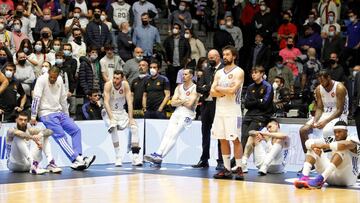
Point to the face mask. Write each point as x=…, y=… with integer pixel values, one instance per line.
x=102, y=18
x=129, y=29
x=17, y=28
x=352, y=19
x=2, y=26
x=222, y=27
x=331, y=34
x=275, y=85
x=142, y=76
x=262, y=8
x=67, y=53
x=22, y=61
x=331, y=19
x=19, y=14
x=38, y=47
x=26, y=50
x=175, y=31
x=332, y=61
x=59, y=62
x=78, y=38
x=76, y=15
x=8, y=74
x=290, y=46
x=279, y=65
x=93, y=57
x=153, y=72
x=286, y=21
x=354, y=73
x=257, y=43
x=44, y=70
x=229, y=24
x=187, y=36
x=97, y=16
x=145, y=23
x=45, y=35
x=56, y=48
x=204, y=65
x=182, y=8
x=139, y=58
x=212, y=63
x=3, y=59
x=47, y=17
x=252, y=1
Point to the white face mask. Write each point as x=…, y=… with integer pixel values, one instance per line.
x=139, y=58
x=142, y=76
x=187, y=35
x=59, y=61
x=102, y=18
x=175, y=31
x=275, y=85
x=181, y=8
x=56, y=48
x=38, y=47
x=44, y=70
x=354, y=73
x=47, y=17
x=262, y=8
x=8, y=74
x=93, y=57
x=76, y=15
x=153, y=72
x=2, y=26
x=17, y=28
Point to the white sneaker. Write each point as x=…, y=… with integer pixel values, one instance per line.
x=89, y=160
x=36, y=170
x=78, y=165
x=137, y=160
x=118, y=162
x=244, y=167
x=53, y=168
x=263, y=170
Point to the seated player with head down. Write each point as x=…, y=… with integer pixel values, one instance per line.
x=341, y=169
x=269, y=148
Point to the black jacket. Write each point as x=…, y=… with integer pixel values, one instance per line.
x=86, y=76
x=184, y=50
x=204, y=83
x=263, y=58
x=221, y=39
x=95, y=36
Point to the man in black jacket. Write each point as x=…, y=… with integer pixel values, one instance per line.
x=177, y=50
x=259, y=105
x=92, y=109
x=222, y=38
x=208, y=109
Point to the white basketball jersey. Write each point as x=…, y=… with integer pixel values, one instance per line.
x=117, y=97
x=329, y=100
x=229, y=104
x=184, y=94
x=14, y=153
x=121, y=13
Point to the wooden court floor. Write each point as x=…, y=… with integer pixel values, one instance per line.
x=143, y=187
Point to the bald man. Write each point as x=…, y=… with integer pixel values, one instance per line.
x=131, y=67
x=208, y=108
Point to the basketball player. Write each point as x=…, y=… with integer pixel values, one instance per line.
x=116, y=94
x=341, y=169
x=25, y=146
x=332, y=106
x=49, y=101
x=227, y=88
x=269, y=148
x=185, y=100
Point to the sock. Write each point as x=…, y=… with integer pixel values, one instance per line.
x=328, y=171
x=275, y=150
x=306, y=169
x=226, y=159
x=244, y=160
x=238, y=162
x=117, y=151
x=79, y=159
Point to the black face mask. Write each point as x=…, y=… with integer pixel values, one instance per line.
x=286, y=21
x=22, y=62
x=212, y=63
x=19, y=14
x=3, y=60
x=77, y=39
x=332, y=61
x=45, y=35
x=97, y=16
x=290, y=46
x=145, y=23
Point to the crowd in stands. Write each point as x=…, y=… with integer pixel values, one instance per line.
x=88, y=39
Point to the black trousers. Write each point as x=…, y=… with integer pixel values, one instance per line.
x=207, y=119
x=171, y=74
x=250, y=124
x=357, y=120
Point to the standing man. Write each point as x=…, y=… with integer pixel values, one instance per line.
x=185, y=100
x=116, y=94
x=49, y=102
x=227, y=87
x=138, y=88
x=208, y=109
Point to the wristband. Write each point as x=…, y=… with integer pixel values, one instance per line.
x=333, y=146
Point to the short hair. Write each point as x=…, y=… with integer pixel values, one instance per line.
x=59, y=53
x=9, y=64
x=282, y=80
x=119, y=72
x=92, y=91
x=333, y=26
x=91, y=48
x=67, y=44
x=191, y=71
x=54, y=69
x=279, y=58
x=274, y=120
x=22, y=113
x=144, y=60
x=259, y=68
x=75, y=29
x=18, y=52
x=18, y=19
x=324, y=73
x=232, y=50
x=331, y=12
x=177, y=25
x=155, y=62
x=108, y=47
x=145, y=14
x=76, y=8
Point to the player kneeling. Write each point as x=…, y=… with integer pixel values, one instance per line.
x=269, y=148
x=341, y=169
x=24, y=155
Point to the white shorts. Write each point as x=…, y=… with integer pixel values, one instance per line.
x=121, y=119
x=226, y=127
x=277, y=165
x=328, y=130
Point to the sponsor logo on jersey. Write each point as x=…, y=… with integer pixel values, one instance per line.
x=332, y=94
x=230, y=76
x=187, y=93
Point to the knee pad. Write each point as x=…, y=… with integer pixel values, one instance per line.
x=308, y=143
x=134, y=134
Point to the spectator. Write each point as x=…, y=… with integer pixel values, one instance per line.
x=250, y=10
x=309, y=79
x=289, y=55
x=259, y=55
x=264, y=22
x=24, y=73
x=25, y=28
x=85, y=7
x=26, y=47
x=92, y=109
x=331, y=21
x=5, y=56
x=333, y=43
x=13, y=98
x=286, y=30
x=145, y=35
x=109, y=63
x=277, y=84
x=281, y=70
x=181, y=17
x=6, y=36
x=78, y=45
x=138, y=87
x=55, y=8
x=352, y=45
x=75, y=22
x=222, y=38
x=89, y=72
x=97, y=32
x=235, y=32
x=46, y=21
x=196, y=45
x=336, y=70
x=124, y=42
x=38, y=57
x=131, y=67
x=18, y=36
x=156, y=94
x=324, y=7
x=46, y=37
x=104, y=19
x=310, y=39
x=178, y=51
x=139, y=8
x=6, y=6
x=311, y=22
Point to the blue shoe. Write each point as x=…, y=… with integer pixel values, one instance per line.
x=153, y=158
x=317, y=182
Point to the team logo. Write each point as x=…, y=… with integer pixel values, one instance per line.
x=187, y=93
x=332, y=94
x=158, y=83
x=121, y=91
x=135, y=83
x=230, y=76
x=261, y=91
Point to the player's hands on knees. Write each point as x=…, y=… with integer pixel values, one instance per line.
x=132, y=121
x=320, y=125
x=33, y=121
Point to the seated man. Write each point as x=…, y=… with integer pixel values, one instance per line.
x=341, y=169
x=270, y=147
x=92, y=109
x=185, y=100
x=24, y=155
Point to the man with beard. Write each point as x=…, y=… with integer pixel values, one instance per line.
x=227, y=87
x=49, y=102
x=116, y=94
x=138, y=88
x=24, y=155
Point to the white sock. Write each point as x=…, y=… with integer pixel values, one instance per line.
x=275, y=150
x=226, y=159
x=244, y=160
x=79, y=159
x=328, y=171
x=306, y=169
x=117, y=151
x=238, y=162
